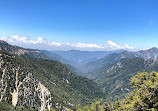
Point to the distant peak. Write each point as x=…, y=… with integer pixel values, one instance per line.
x=3, y=42
x=154, y=48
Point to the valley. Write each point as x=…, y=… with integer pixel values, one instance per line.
x=78, y=55
x=43, y=81
x=60, y=80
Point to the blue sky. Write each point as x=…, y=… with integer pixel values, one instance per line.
x=123, y=22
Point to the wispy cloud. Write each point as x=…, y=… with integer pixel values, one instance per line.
x=43, y=44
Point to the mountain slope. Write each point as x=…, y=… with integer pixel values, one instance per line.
x=30, y=53
x=66, y=84
x=54, y=56
x=115, y=77
x=8, y=107
x=92, y=66
x=39, y=83
x=18, y=85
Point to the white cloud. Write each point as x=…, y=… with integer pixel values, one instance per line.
x=83, y=45
x=42, y=44
x=113, y=45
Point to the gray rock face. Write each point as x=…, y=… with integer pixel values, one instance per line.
x=19, y=87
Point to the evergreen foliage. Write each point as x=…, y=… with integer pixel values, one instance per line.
x=144, y=96
x=7, y=107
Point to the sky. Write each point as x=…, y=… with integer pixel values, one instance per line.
x=80, y=24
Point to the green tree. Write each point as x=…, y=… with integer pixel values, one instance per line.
x=144, y=95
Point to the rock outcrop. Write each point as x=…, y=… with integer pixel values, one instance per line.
x=20, y=87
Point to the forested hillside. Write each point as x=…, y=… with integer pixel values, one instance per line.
x=114, y=78
x=144, y=96
x=36, y=83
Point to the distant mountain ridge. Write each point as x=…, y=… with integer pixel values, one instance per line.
x=145, y=54
x=114, y=70
x=31, y=53
x=77, y=58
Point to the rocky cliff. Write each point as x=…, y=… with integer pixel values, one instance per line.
x=19, y=87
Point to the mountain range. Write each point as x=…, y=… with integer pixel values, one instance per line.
x=78, y=58
x=145, y=54
x=32, y=79
x=114, y=70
